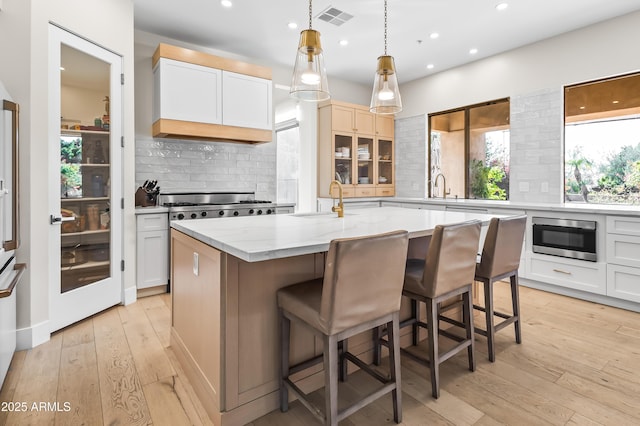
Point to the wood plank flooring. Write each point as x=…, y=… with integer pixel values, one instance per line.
x=579, y=364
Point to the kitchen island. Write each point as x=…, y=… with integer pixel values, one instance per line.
x=225, y=275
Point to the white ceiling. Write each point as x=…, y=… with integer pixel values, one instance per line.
x=258, y=29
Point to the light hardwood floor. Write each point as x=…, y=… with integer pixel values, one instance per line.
x=579, y=364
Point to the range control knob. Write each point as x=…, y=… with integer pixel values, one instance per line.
x=221, y=213
x=180, y=216
x=193, y=215
x=250, y=211
x=259, y=211
x=203, y=214
x=269, y=211
x=236, y=213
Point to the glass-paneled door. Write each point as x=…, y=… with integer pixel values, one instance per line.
x=85, y=194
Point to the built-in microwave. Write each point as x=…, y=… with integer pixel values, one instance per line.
x=565, y=237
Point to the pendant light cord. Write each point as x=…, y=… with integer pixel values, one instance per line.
x=310, y=13
x=385, y=27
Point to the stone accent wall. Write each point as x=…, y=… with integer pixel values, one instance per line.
x=537, y=151
x=180, y=165
x=410, y=155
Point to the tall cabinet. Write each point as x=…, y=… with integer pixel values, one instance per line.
x=356, y=148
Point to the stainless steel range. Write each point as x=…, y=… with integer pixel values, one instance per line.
x=205, y=205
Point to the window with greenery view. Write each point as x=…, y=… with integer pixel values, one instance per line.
x=469, y=146
x=602, y=141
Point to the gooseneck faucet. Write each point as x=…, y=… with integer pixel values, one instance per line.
x=340, y=207
x=444, y=185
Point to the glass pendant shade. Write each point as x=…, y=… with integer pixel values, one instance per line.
x=385, y=98
x=309, y=82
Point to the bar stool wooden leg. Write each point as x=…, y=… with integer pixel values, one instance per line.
x=394, y=365
x=432, y=329
x=515, y=303
x=343, y=349
x=285, y=331
x=467, y=313
x=491, y=331
x=377, y=347
x=415, y=314
x=331, y=379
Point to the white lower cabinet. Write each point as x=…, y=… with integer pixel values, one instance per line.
x=623, y=258
x=152, y=252
x=576, y=274
x=623, y=282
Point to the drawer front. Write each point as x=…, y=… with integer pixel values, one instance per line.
x=365, y=192
x=385, y=192
x=586, y=276
x=623, y=225
x=623, y=282
x=152, y=222
x=623, y=250
x=347, y=191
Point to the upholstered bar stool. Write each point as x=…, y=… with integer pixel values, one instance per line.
x=446, y=272
x=361, y=290
x=500, y=260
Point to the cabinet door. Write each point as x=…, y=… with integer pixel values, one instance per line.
x=384, y=163
x=365, y=122
x=343, y=154
x=623, y=282
x=246, y=101
x=152, y=258
x=385, y=126
x=365, y=153
x=342, y=119
x=187, y=92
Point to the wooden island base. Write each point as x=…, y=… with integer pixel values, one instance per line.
x=225, y=330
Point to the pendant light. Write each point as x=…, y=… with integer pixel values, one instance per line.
x=385, y=98
x=309, y=82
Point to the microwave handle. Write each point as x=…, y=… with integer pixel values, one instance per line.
x=14, y=242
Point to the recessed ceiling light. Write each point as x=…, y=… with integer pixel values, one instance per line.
x=473, y=51
x=615, y=102
x=226, y=3
x=61, y=68
x=344, y=42
x=430, y=66
x=582, y=107
x=434, y=36
x=292, y=25
x=502, y=6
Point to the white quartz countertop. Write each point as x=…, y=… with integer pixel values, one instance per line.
x=258, y=238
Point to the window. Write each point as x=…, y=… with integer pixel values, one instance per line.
x=288, y=161
x=602, y=141
x=469, y=152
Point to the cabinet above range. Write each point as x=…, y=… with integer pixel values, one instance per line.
x=206, y=97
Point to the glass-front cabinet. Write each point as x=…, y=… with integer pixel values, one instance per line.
x=85, y=207
x=355, y=149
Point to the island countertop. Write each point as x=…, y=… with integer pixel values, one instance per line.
x=259, y=238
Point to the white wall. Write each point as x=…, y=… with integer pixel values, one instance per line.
x=24, y=26
x=533, y=77
x=600, y=50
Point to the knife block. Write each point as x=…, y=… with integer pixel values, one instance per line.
x=145, y=199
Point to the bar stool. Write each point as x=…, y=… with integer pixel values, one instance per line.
x=361, y=290
x=446, y=272
x=500, y=260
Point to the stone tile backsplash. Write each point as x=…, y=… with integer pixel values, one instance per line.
x=536, y=150
x=181, y=165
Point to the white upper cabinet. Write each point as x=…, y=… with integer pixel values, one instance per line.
x=187, y=92
x=246, y=101
x=207, y=97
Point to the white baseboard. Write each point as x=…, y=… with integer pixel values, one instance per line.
x=30, y=337
x=130, y=295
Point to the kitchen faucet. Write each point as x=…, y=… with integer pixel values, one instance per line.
x=340, y=207
x=444, y=186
